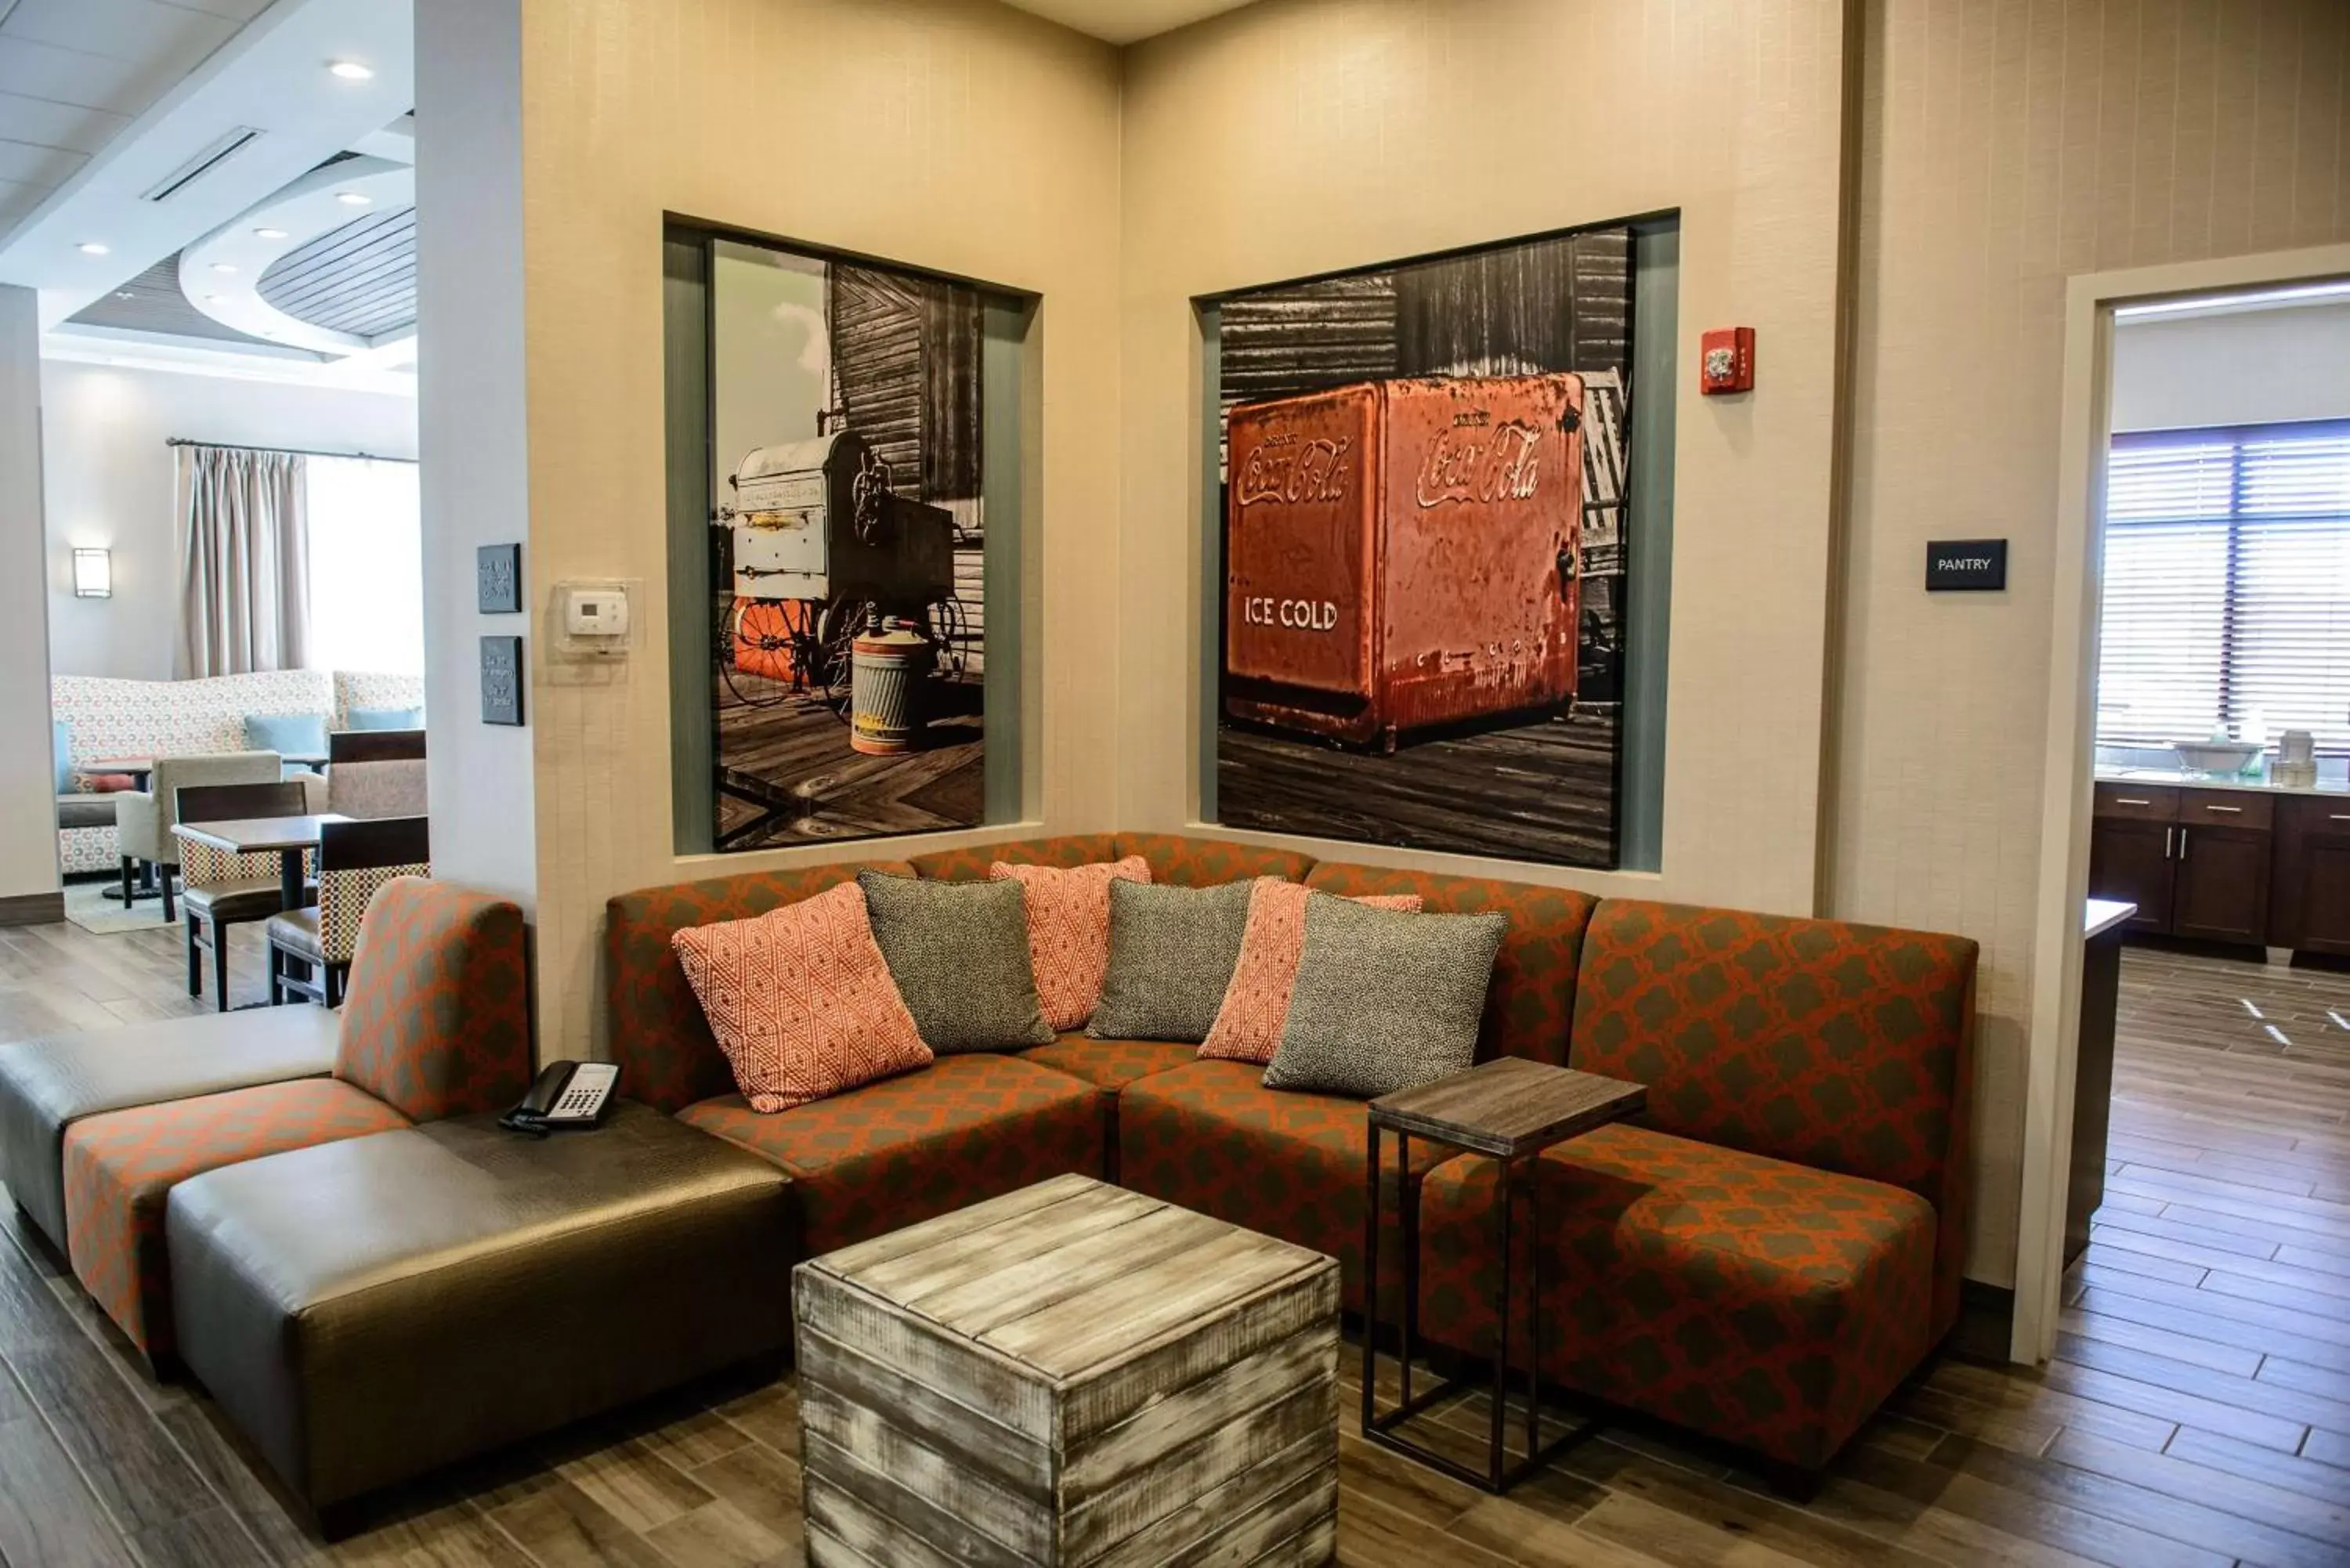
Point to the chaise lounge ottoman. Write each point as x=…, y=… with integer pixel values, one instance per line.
x=47, y=1085
x=370, y=1310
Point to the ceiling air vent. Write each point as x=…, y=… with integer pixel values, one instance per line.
x=203, y=163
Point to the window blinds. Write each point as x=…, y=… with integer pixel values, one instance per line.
x=2227, y=586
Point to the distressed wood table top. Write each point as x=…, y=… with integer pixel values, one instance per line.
x=1070, y=1275
x=1510, y=1107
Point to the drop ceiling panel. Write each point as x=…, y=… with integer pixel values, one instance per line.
x=71, y=76
x=146, y=31
x=32, y=164
x=16, y=198
x=47, y=123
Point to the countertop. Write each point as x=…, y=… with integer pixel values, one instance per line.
x=2102, y=915
x=2180, y=778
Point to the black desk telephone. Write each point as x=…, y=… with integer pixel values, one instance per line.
x=566, y=1095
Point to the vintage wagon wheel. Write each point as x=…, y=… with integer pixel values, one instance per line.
x=765, y=648
x=946, y=624
x=836, y=637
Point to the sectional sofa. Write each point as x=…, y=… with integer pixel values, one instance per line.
x=385, y=1281
x=1762, y=1258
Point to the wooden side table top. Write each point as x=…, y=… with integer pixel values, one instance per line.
x=1071, y=1274
x=1509, y=1106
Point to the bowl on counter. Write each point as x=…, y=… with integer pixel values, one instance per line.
x=2216, y=759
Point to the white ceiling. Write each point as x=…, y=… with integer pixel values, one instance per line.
x=1120, y=21
x=74, y=73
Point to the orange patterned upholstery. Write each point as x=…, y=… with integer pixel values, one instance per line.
x=1840, y=1046
x=1533, y=993
x=1110, y=1067
x=1210, y=1136
x=969, y=863
x=120, y=1168
x=1768, y=1304
x=1069, y=930
x=668, y=1056
x=1189, y=862
x=437, y=1018
x=884, y=1156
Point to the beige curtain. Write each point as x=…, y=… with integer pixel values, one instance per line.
x=245, y=561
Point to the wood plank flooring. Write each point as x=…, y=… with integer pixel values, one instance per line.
x=2197, y=1414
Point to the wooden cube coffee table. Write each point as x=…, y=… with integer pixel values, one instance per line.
x=1069, y=1374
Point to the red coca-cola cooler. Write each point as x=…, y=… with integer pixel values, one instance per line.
x=1403, y=554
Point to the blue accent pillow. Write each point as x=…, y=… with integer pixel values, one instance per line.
x=61, y=739
x=285, y=734
x=384, y=719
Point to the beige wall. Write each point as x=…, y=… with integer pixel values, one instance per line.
x=1292, y=138
x=2006, y=146
x=962, y=136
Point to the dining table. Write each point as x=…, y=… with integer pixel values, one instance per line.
x=286, y=837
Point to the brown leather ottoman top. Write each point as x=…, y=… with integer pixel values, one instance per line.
x=368, y=1310
x=48, y=1084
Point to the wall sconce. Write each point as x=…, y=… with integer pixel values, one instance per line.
x=93, y=575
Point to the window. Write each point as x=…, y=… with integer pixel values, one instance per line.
x=366, y=567
x=2227, y=586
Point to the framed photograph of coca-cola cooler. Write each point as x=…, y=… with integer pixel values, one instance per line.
x=1423, y=474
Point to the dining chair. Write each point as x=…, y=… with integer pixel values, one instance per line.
x=376, y=773
x=223, y=889
x=143, y=818
x=355, y=860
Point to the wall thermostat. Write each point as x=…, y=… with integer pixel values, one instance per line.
x=592, y=619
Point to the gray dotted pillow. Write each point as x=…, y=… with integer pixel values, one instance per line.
x=1172, y=951
x=1385, y=1000
x=958, y=952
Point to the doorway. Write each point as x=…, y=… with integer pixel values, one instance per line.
x=2139, y=460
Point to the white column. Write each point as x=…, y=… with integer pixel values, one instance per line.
x=28, y=819
x=472, y=430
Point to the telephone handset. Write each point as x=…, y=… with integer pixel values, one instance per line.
x=566, y=1094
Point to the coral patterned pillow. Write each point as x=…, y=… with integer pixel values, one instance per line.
x=1068, y=931
x=1257, y=1004
x=800, y=1000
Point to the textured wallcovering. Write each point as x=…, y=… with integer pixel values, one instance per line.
x=968, y=138
x=2007, y=146
x=1291, y=138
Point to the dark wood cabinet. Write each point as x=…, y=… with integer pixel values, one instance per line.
x=2220, y=886
x=2131, y=861
x=2310, y=910
x=2195, y=862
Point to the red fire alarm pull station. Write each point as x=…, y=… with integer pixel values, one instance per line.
x=1727, y=362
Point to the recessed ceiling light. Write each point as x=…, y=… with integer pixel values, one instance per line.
x=353, y=199
x=124, y=293
x=92, y=248
x=223, y=266
x=350, y=70
x=269, y=233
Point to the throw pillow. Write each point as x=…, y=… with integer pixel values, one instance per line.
x=958, y=952
x=109, y=784
x=1171, y=955
x=287, y=734
x=800, y=1000
x=384, y=719
x=1069, y=930
x=1384, y=1001
x=1255, y=1005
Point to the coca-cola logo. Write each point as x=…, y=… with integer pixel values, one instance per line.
x=1472, y=460
x=1287, y=468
